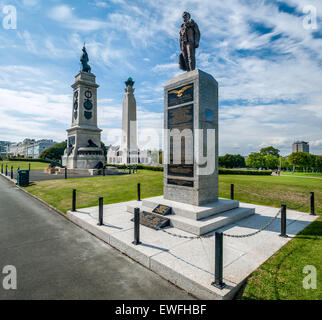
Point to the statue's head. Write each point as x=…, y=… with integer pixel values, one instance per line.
x=186, y=16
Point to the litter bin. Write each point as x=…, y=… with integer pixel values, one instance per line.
x=23, y=178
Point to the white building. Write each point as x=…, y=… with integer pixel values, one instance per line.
x=29, y=148
x=35, y=149
x=4, y=147
x=115, y=156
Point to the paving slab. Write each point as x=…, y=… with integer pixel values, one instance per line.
x=187, y=261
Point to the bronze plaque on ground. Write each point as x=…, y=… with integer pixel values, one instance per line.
x=180, y=95
x=153, y=220
x=163, y=210
x=181, y=183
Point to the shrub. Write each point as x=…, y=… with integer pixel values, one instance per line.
x=246, y=172
x=221, y=171
x=28, y=160
x=55, y=152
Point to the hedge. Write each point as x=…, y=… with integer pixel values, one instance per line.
x=28, y=160
x=221, y=171
x=246, y=172
x=139, y=166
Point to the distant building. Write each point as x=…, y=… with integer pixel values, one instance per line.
x=4, y=146
x=29, y=148
x=301, y=146
x=35, y=149
x=115, y=156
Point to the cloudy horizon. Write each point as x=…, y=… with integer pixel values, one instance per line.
x=267, y=63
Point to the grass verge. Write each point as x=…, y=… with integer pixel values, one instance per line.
x=280, y=277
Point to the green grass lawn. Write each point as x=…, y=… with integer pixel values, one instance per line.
x=303, y=174
x=24, y=165
x=280, y=277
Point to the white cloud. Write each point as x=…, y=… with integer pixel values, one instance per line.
x=64, y=14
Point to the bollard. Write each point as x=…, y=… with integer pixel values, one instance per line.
x=6, y=170
x=100, y=211
x=29, y=166
x=74, y=201
x=136, y=226
x=11, y=172
x=139, y=191
x=232, y=192
x=312, y=204
x=65, y=173
x=2, y=168
x=283, y=221
x=218, y=283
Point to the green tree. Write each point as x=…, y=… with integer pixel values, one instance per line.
x=285, y=165
x=318, y=163
x=271, y=162
x=300, y=160
x=256, y=160
x=104, y=148
x=55, y=152
x=270, y=151
x=232, y=161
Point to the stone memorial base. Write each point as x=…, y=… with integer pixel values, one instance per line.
x=197, y=220
x=90, y=172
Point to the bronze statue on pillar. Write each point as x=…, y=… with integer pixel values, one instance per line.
x=84, y=60
x=189, y=41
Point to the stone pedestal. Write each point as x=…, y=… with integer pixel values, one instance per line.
x=84, y=137
x=191, y=159
x=191, y=138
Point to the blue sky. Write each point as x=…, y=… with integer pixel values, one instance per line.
x=269, y=67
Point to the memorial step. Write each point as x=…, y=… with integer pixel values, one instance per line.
x=205, y=225
x=190, y=211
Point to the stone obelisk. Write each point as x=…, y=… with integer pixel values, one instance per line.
x=84, y=137
x=129, y=145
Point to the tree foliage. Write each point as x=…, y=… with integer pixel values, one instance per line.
x=270, y=151
x=232, y=161
x=55, y=152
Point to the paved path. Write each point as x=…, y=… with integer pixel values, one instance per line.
x=40, y=175
x=57, y=260
x=307, y=177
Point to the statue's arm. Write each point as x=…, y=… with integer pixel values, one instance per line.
x=197, y=35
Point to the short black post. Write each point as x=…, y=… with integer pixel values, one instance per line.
x=136, y=226
x=11, y=172
x=312, y=204
x=100, y=211
x=218, y=283
x=6, y=170
x=65, y=173
x=29, y=166
x=283, y=221
x=1, y=167
x=139, y=191
x=74, y=201
x=232, y=191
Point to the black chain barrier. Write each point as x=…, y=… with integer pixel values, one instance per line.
x=225, y=234
x=253, y=233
